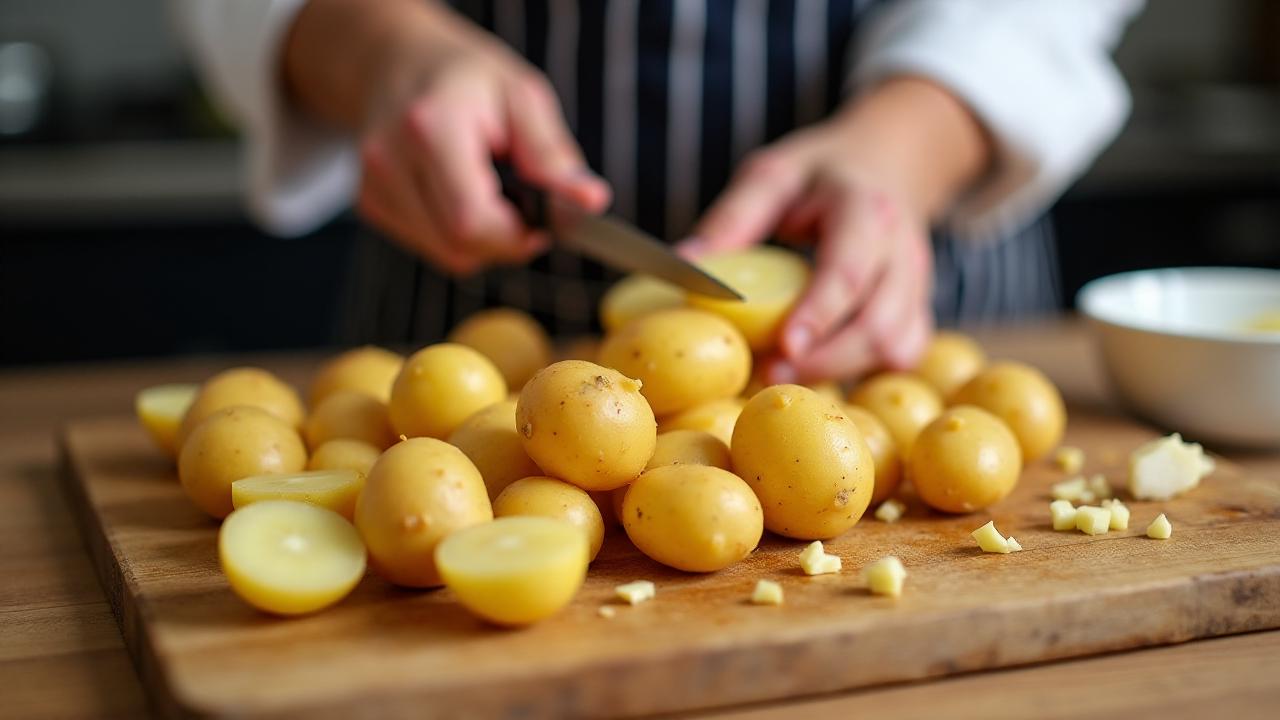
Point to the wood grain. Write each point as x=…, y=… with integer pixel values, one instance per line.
x=698, y=645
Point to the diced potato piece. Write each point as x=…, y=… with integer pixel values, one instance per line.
x=1167, y=467
x=1099, y=487
x=885, y=576
x=1160, y=528
x=1063, y=514
x=815, y=560
x=1014, y=545
x=160, y=409
x=1092, y=520
x=990, y=539
x=890, y=510
x=607, y=612
x=1119, y=514
x=1075, y=490
x=767, y=592
x=1069, y=460
x=336, y=490
x=636, y=592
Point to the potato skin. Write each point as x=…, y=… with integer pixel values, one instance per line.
x=1026, y=400
x=489, y=439
x=716, y=417
x=965, y=460
x=690, y=447
x=586, y=424
x=695, y=518
x=951, y=360
x=805, y=460
x=684, y=358
x=902, y=401
x=348, y=414
x=419, y=491
x=548, y=497
x=344, y=454
x=234, y=443
x=242, y=386
x=369, y=369
x=441, y=386
x=635, y=296
x=884, y=452
x=511, y=339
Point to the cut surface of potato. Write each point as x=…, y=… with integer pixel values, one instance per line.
x=770, y=279
x=160, y=409
x=334, y=490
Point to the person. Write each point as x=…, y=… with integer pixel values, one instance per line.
x=857, y=125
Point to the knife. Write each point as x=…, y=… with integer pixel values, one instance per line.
x=608, y=239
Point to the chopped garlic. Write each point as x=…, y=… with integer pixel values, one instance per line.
x=607, y=612
x=1014, y=545
x=767, y=592
x=1063, y=514
x=885, y=576
x=1099, y=487
x=1069, y=459
x=636, y=592
x=1075, y=490
x=815, y=560
x=890, y=510
x=990, y=539
x=1165, y=468
x=1160, y=528
x=1092, y=520
x=1119, y=514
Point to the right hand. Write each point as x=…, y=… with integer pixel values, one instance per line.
x=446, y=101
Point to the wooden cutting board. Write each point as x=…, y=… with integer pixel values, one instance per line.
x=201, y=651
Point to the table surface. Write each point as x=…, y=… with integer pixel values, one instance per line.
x=61, y=654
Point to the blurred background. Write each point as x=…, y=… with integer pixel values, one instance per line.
x=122, y=233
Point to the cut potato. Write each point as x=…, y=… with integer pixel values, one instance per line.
x=250, y=386
x=441, y=386
x=234, y=443
x=556, y=499
x=716, y=417
x=344, y=454
x=903, y=402
x=370, y=370
x=634, y=297
x=490, y=440
x=160, y=409
x=349, y=414
x=770, y=279
x=334, y=490
x=514, y=341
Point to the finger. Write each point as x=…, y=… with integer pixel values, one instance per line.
x=750, y=208
x=543, y=150
x=900, y=331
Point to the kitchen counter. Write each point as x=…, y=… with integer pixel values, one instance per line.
x=62, y=654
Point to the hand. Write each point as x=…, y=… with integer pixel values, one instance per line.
x=857, y=186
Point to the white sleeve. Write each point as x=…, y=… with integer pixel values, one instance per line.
x=300, y=172
x=1036, y=73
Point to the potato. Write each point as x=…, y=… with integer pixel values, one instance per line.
x=771, y=279
x=694, y=518
x=690, y=447
x=242, y=386
x=160, y=410
x=716, y=417
x=334, y=490
x=1025, y=399
x=511, y=339
x=965, y=460
x=683, y=358
x=489, y=439
x=439, y=387
x=586, y=424
x=805, y=460
x=950, y=361
x=884, y=452
x=549, y=497
x=370, y=370
x=349, y=414
x=903, y=402
x=419, y=491
x=636, y=296
x=344, y=454
x=233, y=443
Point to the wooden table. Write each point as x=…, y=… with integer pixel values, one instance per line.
x=61, y=654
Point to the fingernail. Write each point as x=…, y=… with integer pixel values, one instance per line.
x=782, y=374
x=797, y=340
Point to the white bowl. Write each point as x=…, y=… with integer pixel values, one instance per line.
x=1178, y=350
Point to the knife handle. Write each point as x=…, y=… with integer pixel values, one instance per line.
x=530, y=202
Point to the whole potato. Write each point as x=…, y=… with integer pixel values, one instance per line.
x=1024, y=399
x=884, y=452
x=348, y=414
x=586, y=424
x=511, y=339
x=439, y=387
x=344, y=454
x=690, y=447
x=965, y=460
x=950, y=361
x=490, y=440
x=419, y=491
x=233, y=443
x=242, y=386
x=549, y=497
x=716, y=417
x=684, y=358
x=370, y=370
x=902, y=401
x=770, y=279
x=636, y=296
x=805, y=460
x=694, y=518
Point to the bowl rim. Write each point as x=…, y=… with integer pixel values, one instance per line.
x=1087, y=303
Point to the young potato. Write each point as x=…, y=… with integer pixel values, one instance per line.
x=419, y=491
x=242, y=386
x=490, y=440
x=348, y=414
x=344, y=454
x=1025, y=399
x=549, y=497
x=439, y=387
x=586, y=424
x=770, y=278
x=512, y=339
x=903, y=402
x=334, y=490
x=950, y=361
x=884, y=452
x=370, y=370
x=683, y=357
x=805, y=460
x=690, y=447
x=965, y=460
x=160, y=410
x=636, y=296
x=716, y=417
x=233, y=443
x=694, y=518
